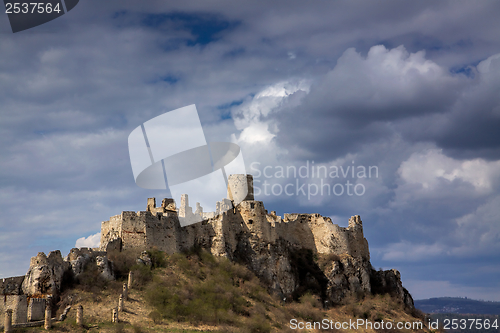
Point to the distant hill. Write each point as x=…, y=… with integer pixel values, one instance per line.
x=457, y=305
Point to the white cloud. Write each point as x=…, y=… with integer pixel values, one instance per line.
x=90, y=242
x=479, y=231
x=430, y=168
x=490, y=66
x=391, y=82
x=406, y=251
x=250, y=117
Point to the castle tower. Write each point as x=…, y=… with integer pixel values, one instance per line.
x=240, y=188
x=185, y=210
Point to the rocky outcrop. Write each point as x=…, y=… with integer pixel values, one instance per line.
x=45, y=274
x=289, y=271
x=347, y=277
x=105, y=267
x=272, y=263
x=79, y=258
x=390, y=282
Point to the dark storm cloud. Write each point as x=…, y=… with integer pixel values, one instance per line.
x=357, y=101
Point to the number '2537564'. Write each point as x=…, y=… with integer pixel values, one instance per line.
x=32, y=7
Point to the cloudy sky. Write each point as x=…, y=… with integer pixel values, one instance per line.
x=410, y=89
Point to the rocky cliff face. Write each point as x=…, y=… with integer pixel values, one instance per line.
x=290, y=270
x=390, y=282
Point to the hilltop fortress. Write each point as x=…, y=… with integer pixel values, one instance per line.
x=274, y=248
x=290, y=255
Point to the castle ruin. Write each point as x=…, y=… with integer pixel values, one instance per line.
x=159, y=227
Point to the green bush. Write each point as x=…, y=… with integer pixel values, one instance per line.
x=123, y=261
x=155, y=316
x=142, y=275
x=90, y=279
x=259, y=324
x=158, y=258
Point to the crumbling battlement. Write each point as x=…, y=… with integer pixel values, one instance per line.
x=219, y=232
x=11, y=286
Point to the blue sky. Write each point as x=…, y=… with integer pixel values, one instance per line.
x=409, y=87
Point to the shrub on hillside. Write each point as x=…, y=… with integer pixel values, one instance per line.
x=142, y=275
x=123, y=261
x=90, y=279
x=158, y=258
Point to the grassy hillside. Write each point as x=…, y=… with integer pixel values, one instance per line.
x=196, y=292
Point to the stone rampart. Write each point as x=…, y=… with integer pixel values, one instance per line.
x=36, y=309
x=18, y=304
x=219, y=234
x=11, y=286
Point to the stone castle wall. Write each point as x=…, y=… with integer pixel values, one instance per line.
x=18, y=304
x=36, y=309
x=160, y=227
x=11, y=286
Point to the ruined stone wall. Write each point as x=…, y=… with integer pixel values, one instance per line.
x=36, y=309
x=18, y=304
x=133, y=233
x=161, y=232
x=161, y=228
x=309, y=231
x=219, y=234
x=110, y=230
x=11, y=286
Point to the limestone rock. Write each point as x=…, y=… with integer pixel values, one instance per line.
x=144, y=259
x=347, y=277
x=79, y=258
x=105, y=267
x=45, y=274
x=390, y=282
x=272, y=263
